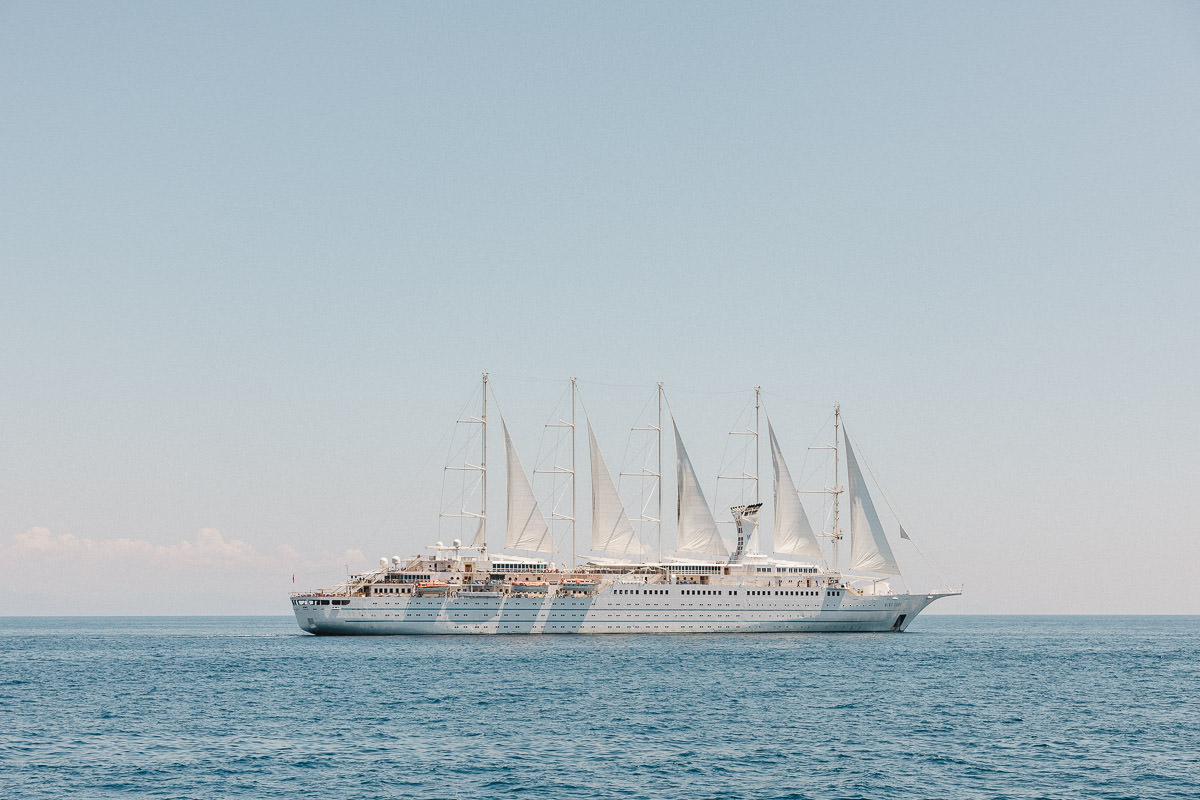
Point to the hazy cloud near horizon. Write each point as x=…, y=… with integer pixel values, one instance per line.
x=48, y=573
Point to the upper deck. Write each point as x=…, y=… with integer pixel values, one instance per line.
x=505, y=576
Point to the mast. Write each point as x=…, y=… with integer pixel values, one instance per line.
x=656, y=475
x=480, y=540
x=658, y=479
x=573, y=516
x=757, y=392
x=556, y=469
x=483, y=468
x=757, y=469
x=745, y=476
x=835, y=535
x=837, y=489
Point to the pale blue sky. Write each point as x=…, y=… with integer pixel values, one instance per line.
x=254, y=256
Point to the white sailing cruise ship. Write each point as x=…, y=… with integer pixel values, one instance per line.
x=624, y=587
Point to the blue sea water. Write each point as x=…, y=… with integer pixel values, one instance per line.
x=250, y=707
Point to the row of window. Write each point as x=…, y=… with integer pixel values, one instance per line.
x=403, y=577
x=666, y=591
x=785, y=593
x=805, y=570
x=719, y=592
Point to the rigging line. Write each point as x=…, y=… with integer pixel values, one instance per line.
x=647, y=385
x=862, y=456
x=774, y=498
x=932, y=564
x=559, y=482
x=373, y=537
x=745, y=451
x=712, y=393
x=464, y=478
x=492, y=392
x=556, y=446
x=806, y=476
x=579, y=399
x=615, y=385
x=817, y=403
x=588, y=419
x=491, y=389
x=670, y=411
x=866, y=462
x=641, y=414
x=620, y=476
x=462, y=410
x=526, y=378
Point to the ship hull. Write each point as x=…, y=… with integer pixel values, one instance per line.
x=667, y=610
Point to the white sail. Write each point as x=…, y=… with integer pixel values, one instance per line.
x=793, y=533
x=869, y=549
x=612, y=532
x=527, y=528
x=697, y=532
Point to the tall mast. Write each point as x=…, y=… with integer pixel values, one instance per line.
x=835, y=535
x=837, y=487
x=757, y=392
x=657, y=475
x=573, y=516
x=746, y=476
x=557, y=469
x=754, y=540
x=659, y=478
x=483, y=467
x=480, y=539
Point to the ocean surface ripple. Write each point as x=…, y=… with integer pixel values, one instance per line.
x=958, y=707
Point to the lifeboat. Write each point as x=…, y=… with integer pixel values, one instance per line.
x=580, y=585
x=530, y=588
x=431, y=589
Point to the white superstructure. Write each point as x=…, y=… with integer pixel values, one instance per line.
x=465, y=589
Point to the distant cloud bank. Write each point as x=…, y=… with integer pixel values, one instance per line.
x=209, y=548
x=47, y=573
